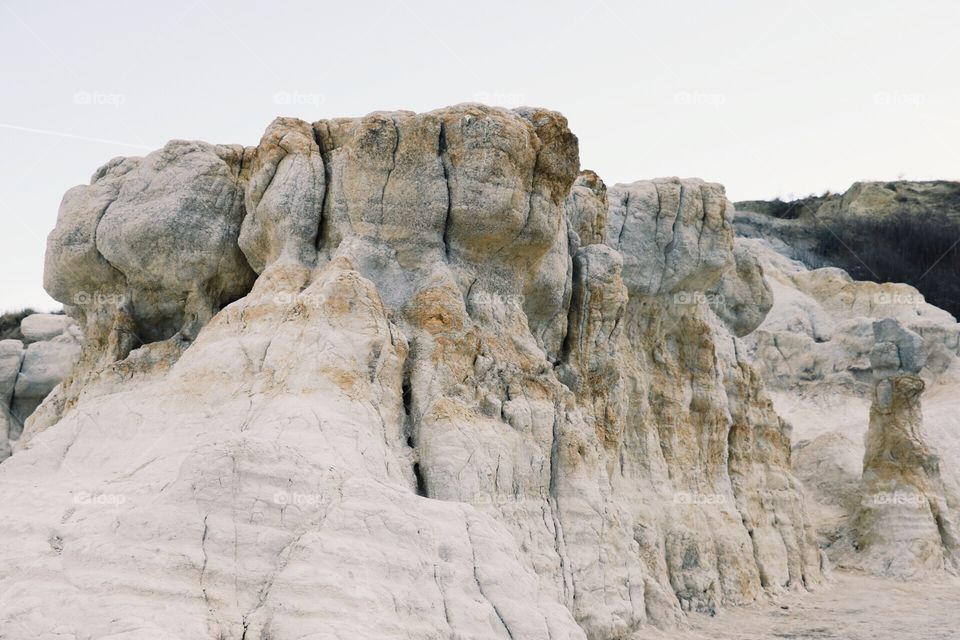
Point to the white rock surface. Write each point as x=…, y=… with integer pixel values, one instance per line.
x=676, y=236
x=45, y=326
x=451, y=405
x=44, y=365
x=28, y=373
x=823, y=347
x=742, y=298
x=11, y=358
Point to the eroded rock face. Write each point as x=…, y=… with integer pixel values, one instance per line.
x=153, y=239
x=147, y=251
x=11, y=357
x=832, y=350
x=284, y=196
x=472, y=390
x=676, y=235
x=820, y=329
x=586, y=208
x=906, y=525
x=742, y=298
x=33, y=367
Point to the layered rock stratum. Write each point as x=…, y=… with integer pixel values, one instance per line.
x=405, y=375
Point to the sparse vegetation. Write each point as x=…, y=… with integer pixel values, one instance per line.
x=785, y=209
x=922, y=250
x=788, y=210
x=10, y=323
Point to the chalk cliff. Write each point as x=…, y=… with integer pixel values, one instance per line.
x=398, y=376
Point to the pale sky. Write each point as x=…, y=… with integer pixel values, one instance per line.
x=768, y=98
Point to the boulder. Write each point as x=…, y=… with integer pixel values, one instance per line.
x=152, y=238
x=11, y=359
x=45, y=365
x=44, y=326
x=742, y=298
x=29, y=373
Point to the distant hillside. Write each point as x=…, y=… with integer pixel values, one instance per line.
x=10, y=323
x=881, y=231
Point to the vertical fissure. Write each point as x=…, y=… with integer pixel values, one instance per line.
x=442, y=155
x=322, y=218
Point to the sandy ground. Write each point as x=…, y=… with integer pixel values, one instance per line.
x=852, y=607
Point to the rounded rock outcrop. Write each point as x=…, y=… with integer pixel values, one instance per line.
x=154, y=237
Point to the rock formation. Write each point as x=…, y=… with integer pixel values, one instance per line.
x=846, y=362
x=405, y=375
x=31, y=367
x=742, y=298
x=906, y=524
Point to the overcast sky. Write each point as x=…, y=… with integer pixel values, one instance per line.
x=768, y=98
